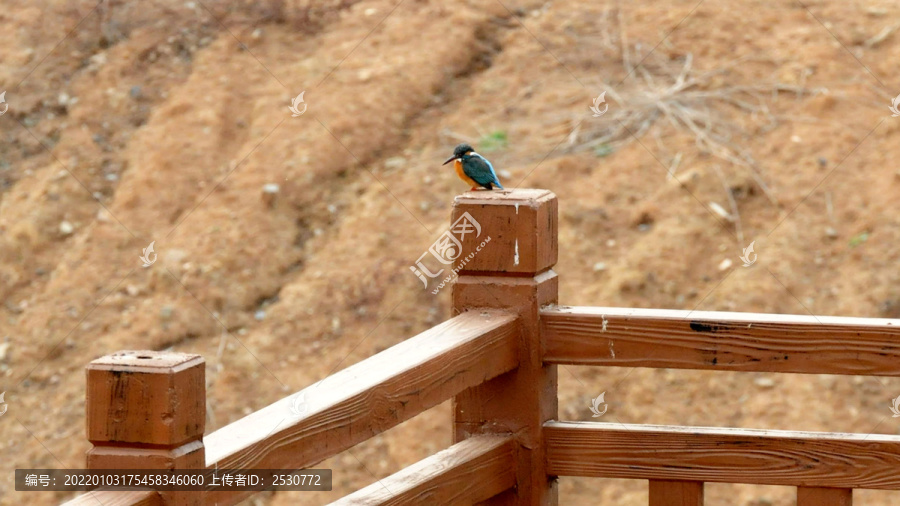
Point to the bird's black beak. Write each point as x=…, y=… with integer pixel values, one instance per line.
x=454, y=157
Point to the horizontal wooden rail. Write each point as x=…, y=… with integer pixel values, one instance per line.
x=763, y=457
x=721, y=341
x=467, y=473
x=367, y=398
x=117, y=498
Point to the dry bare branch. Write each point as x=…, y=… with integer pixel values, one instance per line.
x=689, y=101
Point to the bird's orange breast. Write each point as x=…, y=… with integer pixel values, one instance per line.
x=462, y=174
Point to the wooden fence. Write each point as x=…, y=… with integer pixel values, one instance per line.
x=497, y=359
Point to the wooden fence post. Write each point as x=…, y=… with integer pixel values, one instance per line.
x=676, y=493
x=509, y=246
x=147, y=410
x=816, y=496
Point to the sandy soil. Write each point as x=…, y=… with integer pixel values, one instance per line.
x=162, y=121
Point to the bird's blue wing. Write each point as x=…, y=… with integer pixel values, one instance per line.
x=480, y=169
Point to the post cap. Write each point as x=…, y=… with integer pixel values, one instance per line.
x=510, y=231
x=147, y=397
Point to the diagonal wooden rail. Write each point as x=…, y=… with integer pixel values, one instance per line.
x=497, y=358
x=368, y=398
x=466, y=473
x=351, y=405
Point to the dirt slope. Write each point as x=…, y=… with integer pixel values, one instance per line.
x=162, y=121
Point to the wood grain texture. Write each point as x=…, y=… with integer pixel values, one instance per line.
x=368, y=397
x=466, y=473
x=514, y=273
x=112, y=498
x=811, y=496
x=147, y=410
x=764, y=457
x=676, y=493
x=721, y=341
x=522, y=224
x=146, y=397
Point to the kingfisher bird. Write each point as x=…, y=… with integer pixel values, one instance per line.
x=473, y=168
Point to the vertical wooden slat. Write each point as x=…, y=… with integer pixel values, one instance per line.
x=147, y=410
x=817, y=496
x=509, y=266
x=676, y=493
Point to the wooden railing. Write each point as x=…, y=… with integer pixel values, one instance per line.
x=497, y=358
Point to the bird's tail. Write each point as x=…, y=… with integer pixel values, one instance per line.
x=498, y=185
